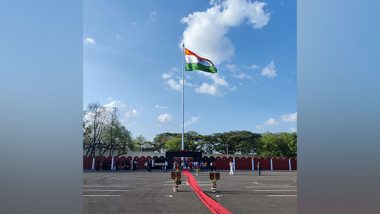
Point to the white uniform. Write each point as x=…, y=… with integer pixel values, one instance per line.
x=231, y=168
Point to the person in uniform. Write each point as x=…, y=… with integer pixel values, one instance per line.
x=259, y=168
x=135, y=164
x=231, y=168
x=196, y=165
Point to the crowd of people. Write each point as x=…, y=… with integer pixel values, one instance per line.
x=178, y=164
x=194, y=165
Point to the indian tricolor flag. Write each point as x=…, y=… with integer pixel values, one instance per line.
x=195, y=62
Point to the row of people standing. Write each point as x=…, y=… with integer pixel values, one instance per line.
x=232, y=167
x=195, y=165
x=149, y=164
x=106, y=165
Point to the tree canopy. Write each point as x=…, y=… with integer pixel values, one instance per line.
x=236, y=142
x=103, y=134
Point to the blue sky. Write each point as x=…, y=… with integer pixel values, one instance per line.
x=132, y=59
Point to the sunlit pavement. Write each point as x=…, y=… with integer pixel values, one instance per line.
x=144, y=192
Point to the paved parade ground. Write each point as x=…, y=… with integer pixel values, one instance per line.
x=144, y=192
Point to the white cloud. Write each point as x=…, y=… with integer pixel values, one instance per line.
x=189, y=77
x=206, y=88
x=161, y=107
x=218, y=80
x=213, y=2
x=115, y=104
x=293, y=129
x=89, y=40
x=289, y=117
x=187, y=83
x=254, y=66
x=269, y=70
x=175, y=82
x=167, y=75
x=164, y=118
x=192, y=120
x=124, y=110
x=153, y=15
x=174, y=85
x=217, y=21
x=242, y=76
x=270, y=122
x=232, y=67
x=236, y=73
x=215, y=88
x=131, y=113
x=285, y=118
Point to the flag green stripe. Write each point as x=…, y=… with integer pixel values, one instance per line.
x=200, y=67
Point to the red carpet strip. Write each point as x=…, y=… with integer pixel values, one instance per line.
x=212, y=205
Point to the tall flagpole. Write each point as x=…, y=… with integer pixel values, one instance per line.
x=183, y=97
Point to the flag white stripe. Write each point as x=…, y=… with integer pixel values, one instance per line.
x=194, y=59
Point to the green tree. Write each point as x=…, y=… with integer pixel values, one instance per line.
x=243, y=142
x=103, y=131
x=173, y=144
x=246, y=142
x=207, y=144
x=95, y=120
x=267, y=145
x=139, y=143
x=293, y=144
x=278, y=145
x=193, y=141
x=110, y=133
x=86, y=135
x=160, y=140
x=238, y=142
x=123, y=140
x=288, y=144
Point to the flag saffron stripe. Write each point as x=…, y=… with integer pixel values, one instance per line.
x=188, y=52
